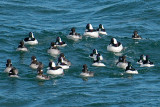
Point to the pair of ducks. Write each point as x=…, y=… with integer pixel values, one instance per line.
x=12, y=71
x=143, y=61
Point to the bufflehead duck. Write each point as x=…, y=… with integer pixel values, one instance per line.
x=63, y=62
x=30, y=40
x=97, y=62
x=147, y=62
x=91, y=32
x=53, y=69
x=142, y=59
x=34, y=63
x=130, y=69
x=59, y=42
x=85, y=72
x=114, y=46
x=94, y=54
x=40, y=75
x=8, y=66
x=101, y=30
x=21, y=47
x=53, y=50
x=13, y=72
x=136, y=36
x=122, y=63
x=73, y=35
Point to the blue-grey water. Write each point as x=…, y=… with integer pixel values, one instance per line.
x=48, y=19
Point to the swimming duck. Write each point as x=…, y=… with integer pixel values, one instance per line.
x=85, y=72
x=136, y=36
x=130, y=69
x=114, y=46
x=13, y=72
x=8, y=66
x=101, y=30
x=122, y=63
x=91, y=32
x=30, y=40
x=97, y=62
x=53, y=69
x=73, y=35
x=21, y=47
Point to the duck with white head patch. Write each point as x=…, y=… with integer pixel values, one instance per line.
x=142, y=59
x=97, y=62
x=147, y=62
x=59, y=42
x=30, y=40
x=34, y=63
x=130, y=69
x=53, y=69
x=101, y=30
x=63, y=62
x=91, y=32
x=114, y=46
x=40, y=75
x=94, y=54
x=13, y=72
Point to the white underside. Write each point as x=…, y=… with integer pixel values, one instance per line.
x=140, y=62
x=137, y=38
x=114, y=49
x=63, y=45
x=35, y=42
x=41, y=77
x=122, y=65
x=74, y=37
x=7, y=69
x=94, y=57
x=22, y=49
x=98, y=64
x=132, y=72
x=14, y=76
x=102, y=32
x=94, y=34
x=87, y=74
x=146, y=65
x=64, y=66
x=53, y=51
x=34, y=66
x=55, y=72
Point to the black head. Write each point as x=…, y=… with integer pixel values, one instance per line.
x=73, y=29
x=33, y=58
x=30, y=34
x=52, y=43
x=124, y=57
x=62, y=54
x=21, y=42
x=84, y=66
x=129, y=64
x=8, y=60
x=135, y=32
x=100, y=25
